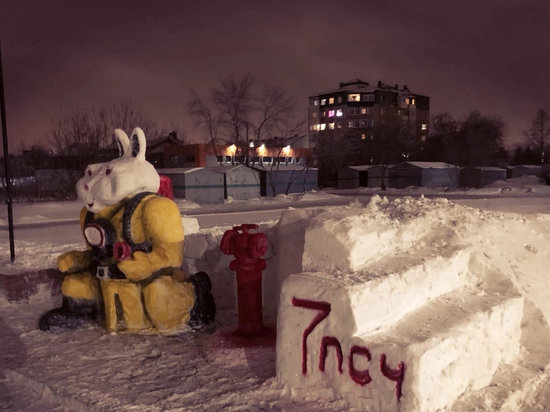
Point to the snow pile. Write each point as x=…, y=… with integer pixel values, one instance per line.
x=464, y=317
x=434, y=289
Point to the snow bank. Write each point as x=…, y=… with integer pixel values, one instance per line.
x=412, y=304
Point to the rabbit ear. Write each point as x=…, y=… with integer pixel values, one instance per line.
x=138, y=144
x=122, y=141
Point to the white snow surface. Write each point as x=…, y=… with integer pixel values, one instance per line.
x=92, y=370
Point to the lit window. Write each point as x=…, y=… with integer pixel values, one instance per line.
x=338, y=125
x=412, y=102
x=331, y=126
x=339, y=113
x=316, y=102
x=313, y=127
x=323, y=102
x=331, y=100
x=364, y=110
x=351, y=125
x=363, y=136
x=323, y=126
x=354, y=97
x=331, y=113
x=424, y=126
x=407, y=100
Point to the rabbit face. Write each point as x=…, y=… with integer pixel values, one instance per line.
x=106, y=184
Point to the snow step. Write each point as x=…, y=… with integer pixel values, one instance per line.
x=423, y=364
x=520, y=382
x=384, y=292
x=335, y=240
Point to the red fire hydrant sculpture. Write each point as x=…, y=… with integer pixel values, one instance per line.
x=247, y=248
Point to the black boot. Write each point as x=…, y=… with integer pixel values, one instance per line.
x=73, y=314
x=204, y=309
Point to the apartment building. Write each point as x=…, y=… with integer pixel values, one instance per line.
x=357, y=108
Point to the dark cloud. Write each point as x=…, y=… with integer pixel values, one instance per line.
x=492, y=55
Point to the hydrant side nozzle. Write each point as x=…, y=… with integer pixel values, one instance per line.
x=226, y=244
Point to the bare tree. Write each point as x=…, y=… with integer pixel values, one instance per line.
x=538, y=135
x=78, y=136
x=126, y=116
x=234, y=101
x=236, y=114
x=205, y=119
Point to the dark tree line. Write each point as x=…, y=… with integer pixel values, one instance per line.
x=475, y=141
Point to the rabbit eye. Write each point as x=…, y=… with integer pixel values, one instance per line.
x=89, y=172
x=108, y=171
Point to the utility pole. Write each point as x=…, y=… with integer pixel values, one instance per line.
x=6, y=160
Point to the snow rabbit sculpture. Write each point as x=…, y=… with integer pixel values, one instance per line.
x=129, y=277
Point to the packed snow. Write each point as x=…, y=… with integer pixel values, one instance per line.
x=91, y=370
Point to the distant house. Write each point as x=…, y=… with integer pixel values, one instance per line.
x=480, y=176
x=523, y=170
x=352, y=177
x=207, y=155
x=424, y=174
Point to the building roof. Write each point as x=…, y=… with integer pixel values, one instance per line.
x=431, y=165
x=487, y=168
x=360, y=86
x=178, y=170
x=225, y=169
x=526, y=166
x=284, y=168
x=361, y=168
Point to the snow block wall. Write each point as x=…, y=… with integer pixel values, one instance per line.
x=382, y=306
x=202, y=253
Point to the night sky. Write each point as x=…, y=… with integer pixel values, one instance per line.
x=489, y=55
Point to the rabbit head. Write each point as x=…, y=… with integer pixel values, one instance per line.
x=106, y=184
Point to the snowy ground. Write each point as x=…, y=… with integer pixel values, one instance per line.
x=91, y=370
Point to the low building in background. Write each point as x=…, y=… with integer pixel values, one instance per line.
x=206, y=155
x=523, y=170
x=352, y=177
x=240, y=182
x=288, y=180
x=196, y=184
x=424, y=174
x=477, y=177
